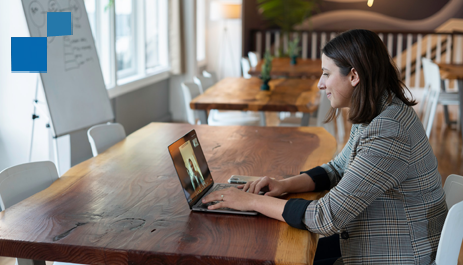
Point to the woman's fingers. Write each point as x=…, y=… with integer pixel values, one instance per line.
x=214, y=196
x=217, y=206
x=247, y=185
x=263, y=182
x=253, y=186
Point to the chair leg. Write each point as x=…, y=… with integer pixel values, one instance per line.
x=446, y=115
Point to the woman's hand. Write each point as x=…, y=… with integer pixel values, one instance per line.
x=275, y=187
x=231, y=198
x=246, y=201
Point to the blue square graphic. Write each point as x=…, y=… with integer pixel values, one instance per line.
x=59, y=24
x=29, y=54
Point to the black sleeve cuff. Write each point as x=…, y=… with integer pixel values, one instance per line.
x=294, y=212
x=319, y=177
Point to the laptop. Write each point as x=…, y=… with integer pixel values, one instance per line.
x=194, y=174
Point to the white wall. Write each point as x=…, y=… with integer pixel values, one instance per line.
x=17, y=91
x=177, y=104
x=223, y=50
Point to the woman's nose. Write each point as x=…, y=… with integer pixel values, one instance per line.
x=321, y=84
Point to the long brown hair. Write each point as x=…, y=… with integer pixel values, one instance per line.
x=364, y=51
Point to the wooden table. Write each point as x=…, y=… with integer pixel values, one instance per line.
x=281, y=67
x=237, y=93
x=126, y=205
x=454, y=71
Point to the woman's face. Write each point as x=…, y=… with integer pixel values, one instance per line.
x=339, y=88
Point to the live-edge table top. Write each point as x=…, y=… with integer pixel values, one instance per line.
x=126, y=205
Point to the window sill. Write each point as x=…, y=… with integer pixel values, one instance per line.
x=133, y=83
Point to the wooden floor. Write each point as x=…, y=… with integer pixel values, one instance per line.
x=446, y=142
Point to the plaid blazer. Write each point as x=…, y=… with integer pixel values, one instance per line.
x=386, y=199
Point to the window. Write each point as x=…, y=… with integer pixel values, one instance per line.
x=155, y=35
x=125, y=38
x=131, y=38
x=201, y=32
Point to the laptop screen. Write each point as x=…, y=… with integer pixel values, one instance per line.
x=191, y=166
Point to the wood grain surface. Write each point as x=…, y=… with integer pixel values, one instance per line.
x=237, y=93
x=126, y=205
x=281, y=67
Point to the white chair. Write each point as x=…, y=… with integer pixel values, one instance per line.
x=103, y=136
x=203, y=82
x=453, y=188
x=192, y=90
x=254, y=58
x=246, y=67
x=211, y=75
x=452, y=235
x=434, y=94
x=323, y=109
x=433, y=82
x=22, y=181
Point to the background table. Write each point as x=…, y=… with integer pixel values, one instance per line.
x=454, y=71
x=281, y=67
x=126, y=205
x=237, y=93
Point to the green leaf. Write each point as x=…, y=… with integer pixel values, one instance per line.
x=287, y=13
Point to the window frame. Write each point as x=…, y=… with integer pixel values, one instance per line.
x=138, y=76
x=132, y=71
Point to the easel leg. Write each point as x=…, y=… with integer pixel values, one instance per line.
x=34, y=116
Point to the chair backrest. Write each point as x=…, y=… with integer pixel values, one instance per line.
x=254, y=58
x=210, y=74
x=426, y=89
x=246, y=67
x=22, y=181
x=203, y=82
x=452, y=234
x=190, y=91
x=433, y=82
x=103, y=136
x=453, y=188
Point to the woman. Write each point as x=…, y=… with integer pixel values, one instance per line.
x=386, y=201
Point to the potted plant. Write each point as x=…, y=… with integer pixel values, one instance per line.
x=294, y=50
x=265, y=72
x=286, y=14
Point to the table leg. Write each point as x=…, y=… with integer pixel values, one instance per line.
x=263, y=122
x=305, y=119
x=30, y=262
x=460, y=93
x=202, y=114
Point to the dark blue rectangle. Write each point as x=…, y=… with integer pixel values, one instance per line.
x=29, y=54
x=59, y=24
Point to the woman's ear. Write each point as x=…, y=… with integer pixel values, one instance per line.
x=354, y=77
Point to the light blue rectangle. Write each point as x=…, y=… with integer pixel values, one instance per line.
x=59, y=24
x=29, y=54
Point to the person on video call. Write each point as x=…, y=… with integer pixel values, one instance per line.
x=195, y=176
x=385, y=204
